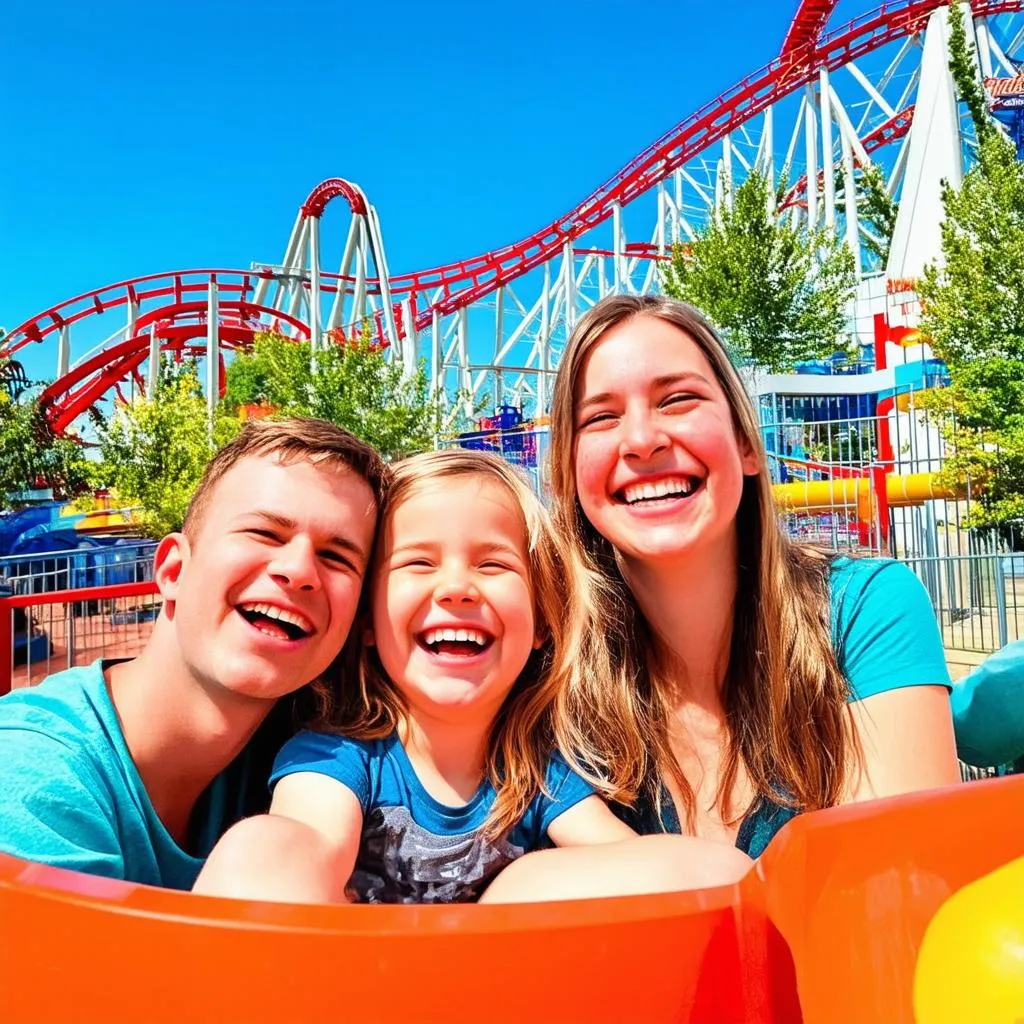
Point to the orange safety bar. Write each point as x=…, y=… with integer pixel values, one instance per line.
x=826, y=928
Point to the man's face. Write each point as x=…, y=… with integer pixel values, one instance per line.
x=263, y=596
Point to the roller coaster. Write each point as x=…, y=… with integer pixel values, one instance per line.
x=876, y=91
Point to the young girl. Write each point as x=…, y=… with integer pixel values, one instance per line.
x=433, y=769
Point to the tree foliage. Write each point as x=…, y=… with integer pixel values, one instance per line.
x=878, y=210
x=973, y=313
x=156, y=448
x=32, y=456
x=352, y=383
x=778, y=294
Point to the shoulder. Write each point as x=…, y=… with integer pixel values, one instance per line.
x=883, y=627
x=854, y=580
x=70, y=711
x=59, y=775
x=563, y=789
x=353, y=762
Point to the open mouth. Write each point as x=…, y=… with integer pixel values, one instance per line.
x=276, y=622
x=459, y=643
x=661, y=491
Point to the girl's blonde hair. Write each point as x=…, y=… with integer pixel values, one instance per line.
x=785, y=696
x=368, y=705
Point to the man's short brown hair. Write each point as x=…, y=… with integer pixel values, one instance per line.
x=293, y=439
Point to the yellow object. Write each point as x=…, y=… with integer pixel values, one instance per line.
x=970, y=969
x=900, y=489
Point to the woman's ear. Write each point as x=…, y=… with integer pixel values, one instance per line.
x=748, y=459
x=541, y=636
x=169, y=561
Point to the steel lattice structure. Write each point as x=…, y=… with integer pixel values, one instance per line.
x=876, y=90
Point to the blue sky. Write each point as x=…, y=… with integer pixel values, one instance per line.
x=142, y=137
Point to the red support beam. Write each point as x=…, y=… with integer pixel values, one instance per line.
x=808, y=24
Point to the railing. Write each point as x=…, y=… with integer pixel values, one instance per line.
x=44, y=633
x=45, y=571
x=978, y=599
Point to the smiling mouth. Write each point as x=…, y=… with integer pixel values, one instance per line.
x=276, y=622
x=670, y=489
x=460, y=643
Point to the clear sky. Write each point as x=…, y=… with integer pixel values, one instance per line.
x=144, y=137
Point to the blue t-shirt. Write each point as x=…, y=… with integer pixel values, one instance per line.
x=885, y=637
x=71, y=796
x=988, y=710
x=414, y=849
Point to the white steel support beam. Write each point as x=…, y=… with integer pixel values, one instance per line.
x=866, y=85
x=850, y=196
x=727, y=170
x=63, y=350
x=336, y=318
x=153, y=376
x=436, y=364
x=408, y=343
x=212, y=355
x=569, y=286
x=359, y=292
x=984, y=40
x=543, y=349
x=617, y=267
x=499, y=331
x=314, y=285
x=465, y=379
x=380, y=261
x=827, y=161
x=133, y=317
x=811, y=143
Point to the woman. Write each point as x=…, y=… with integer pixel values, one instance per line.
x=749, y=677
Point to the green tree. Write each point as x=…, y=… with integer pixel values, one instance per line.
x=778, y=294
x=32, y=456
x=352, y=384
x=973, y=313
x=878, y=210
x=156, y=448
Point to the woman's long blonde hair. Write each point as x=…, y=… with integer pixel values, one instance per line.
x=784, y=695
x=365, y=704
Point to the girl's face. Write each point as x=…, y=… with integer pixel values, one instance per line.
x=659, y=467
x=452, y=605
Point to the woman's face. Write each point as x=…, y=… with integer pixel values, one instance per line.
x=659, y=466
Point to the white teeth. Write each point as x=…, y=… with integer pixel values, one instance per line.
x=281, y=614
x=681, y=486
x=435, y=636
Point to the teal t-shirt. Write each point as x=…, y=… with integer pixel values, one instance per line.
x=885, y=637
x=71, y=797
x=988, y=710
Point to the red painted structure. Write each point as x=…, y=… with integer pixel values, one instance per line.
x=467, y=281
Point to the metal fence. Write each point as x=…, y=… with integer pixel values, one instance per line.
x=44, y=572
x=47, y=632
x=978, y=599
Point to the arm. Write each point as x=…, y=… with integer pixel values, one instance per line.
x=890, y=650
x=906, y=739
x=303, y=851
x=988, y=712
x=588, y=823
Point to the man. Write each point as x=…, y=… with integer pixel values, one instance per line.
x=133, y=769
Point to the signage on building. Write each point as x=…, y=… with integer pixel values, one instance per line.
x=1006, y=92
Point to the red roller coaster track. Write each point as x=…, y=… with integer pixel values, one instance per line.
x=467, y=281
